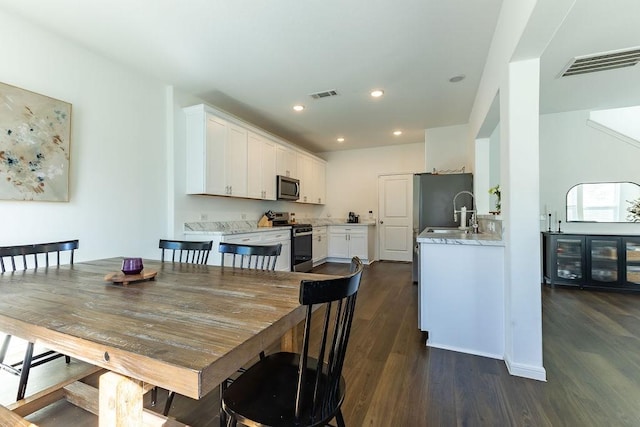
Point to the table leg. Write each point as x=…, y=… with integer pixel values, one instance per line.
x=120, y=401
x=289, y=341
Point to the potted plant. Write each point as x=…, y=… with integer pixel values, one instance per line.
x=496, y=192
x=634, y=210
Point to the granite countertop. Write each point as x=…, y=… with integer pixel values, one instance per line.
x=320, y=222
x=240, y=227
x=227, y=227
x=460, y=238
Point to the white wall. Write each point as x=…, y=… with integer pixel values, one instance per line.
x=117, y=173
x=352, y=176
x=449, y=148
x=572, y=152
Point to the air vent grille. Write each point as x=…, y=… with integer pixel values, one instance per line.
x=602, y=61
x=324, y=94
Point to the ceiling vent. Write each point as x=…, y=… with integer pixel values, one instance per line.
x=602, y=61
x=324, y=94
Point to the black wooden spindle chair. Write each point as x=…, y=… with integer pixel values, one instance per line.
x=307, y=389
x=186, y=251
x=182, y=251
x=260, y=257
x=22, y=257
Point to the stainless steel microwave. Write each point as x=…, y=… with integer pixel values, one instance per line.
x=288, y=188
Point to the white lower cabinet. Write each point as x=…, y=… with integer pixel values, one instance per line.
x=345, y=242
x=320, y=246
x=270, y=237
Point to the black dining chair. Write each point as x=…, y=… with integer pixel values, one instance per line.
x=307, y=389
x=182, y=251
x=259, y=257
x=22, y=257
x=192, y=252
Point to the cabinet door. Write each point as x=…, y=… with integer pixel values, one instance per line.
x=603, y=261
x=215, y=151
x=286, y=161
x=632, y=261
x=236, y=158
x=319, y=181
x=358, y=246
x=268, y=169
x=569, y=258
x=254, y=166
x=304, y=175
x=319, y=247
x=338, y=245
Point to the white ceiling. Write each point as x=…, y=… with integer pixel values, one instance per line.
x=256, y=59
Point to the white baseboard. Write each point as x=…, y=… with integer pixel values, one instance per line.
x=526, y=371
x=465, y=350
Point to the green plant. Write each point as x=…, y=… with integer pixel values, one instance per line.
x=496, y=192
x=634, y=210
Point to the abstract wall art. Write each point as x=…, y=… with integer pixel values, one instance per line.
x=35, y=133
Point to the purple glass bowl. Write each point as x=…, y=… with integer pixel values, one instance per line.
x=132, y=265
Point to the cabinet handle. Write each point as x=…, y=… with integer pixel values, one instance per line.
x=231, y=189
x=245, y=240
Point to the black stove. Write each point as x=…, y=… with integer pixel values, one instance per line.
x=301, y=241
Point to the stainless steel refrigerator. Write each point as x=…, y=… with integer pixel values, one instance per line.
x=433, y=203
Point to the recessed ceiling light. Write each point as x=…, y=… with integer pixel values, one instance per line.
x=456, y=79
x=397, y=132
x=341, y=139
x=377, y=93
x=298, y=107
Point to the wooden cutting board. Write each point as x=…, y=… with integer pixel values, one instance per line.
x=125, y=279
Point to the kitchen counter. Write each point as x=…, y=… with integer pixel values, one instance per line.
x=224, y=228
x=461, y=291
x=227, y=228
x=460, y=238
x=321, y=222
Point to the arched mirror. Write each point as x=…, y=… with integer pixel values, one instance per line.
x=604, y=202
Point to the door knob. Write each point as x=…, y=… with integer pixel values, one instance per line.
x=381, y=222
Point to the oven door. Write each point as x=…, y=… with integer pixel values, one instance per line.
x=301, y=251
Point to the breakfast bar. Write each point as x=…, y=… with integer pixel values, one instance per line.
x=461, y=291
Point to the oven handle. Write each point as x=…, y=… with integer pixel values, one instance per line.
x=306, y=233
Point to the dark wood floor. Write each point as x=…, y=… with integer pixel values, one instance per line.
x=591, y=354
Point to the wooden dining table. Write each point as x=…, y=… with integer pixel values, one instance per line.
x=187, y=329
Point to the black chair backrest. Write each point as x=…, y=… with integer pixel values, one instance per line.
x=339, y=297
x=259, y=257
x=187, y=251
x=29, y=254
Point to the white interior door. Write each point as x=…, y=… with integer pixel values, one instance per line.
x=395, y=209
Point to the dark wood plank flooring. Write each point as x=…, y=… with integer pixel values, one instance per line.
x=591, y=354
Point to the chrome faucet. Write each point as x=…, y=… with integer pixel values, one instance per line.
x=463, y=211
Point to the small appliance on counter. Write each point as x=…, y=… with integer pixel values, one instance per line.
x=353, y=218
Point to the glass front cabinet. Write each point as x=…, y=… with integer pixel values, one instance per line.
x=563, y=259
x=591, y=261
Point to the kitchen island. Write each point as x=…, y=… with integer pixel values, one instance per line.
x=461, y=291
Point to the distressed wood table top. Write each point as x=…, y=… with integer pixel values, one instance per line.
x=187, y=330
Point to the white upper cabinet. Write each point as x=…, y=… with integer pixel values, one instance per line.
x=261, y=167
x=286, y=162
x=312, y=175
x=227, y=157
x=305, y=176
x=319, y=172
x=236, y=157
x=216, y=155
